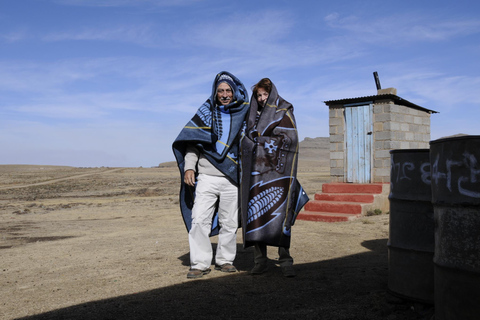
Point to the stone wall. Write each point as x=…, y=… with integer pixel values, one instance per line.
x=396, y=127
x=337, y=143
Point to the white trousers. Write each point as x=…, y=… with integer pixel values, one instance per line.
x=210, y=189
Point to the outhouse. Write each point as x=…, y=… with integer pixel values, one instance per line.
x=363, y=130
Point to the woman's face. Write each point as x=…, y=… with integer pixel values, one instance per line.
x=262, y=96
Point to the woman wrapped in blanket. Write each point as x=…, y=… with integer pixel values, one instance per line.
x=271, y=196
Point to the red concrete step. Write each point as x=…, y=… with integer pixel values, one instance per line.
x=333, y=206
x=325, y=216
x=371, y=188
x=347, y=197
x=343, y=201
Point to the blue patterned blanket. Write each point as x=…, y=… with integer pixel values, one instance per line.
x=214, y=130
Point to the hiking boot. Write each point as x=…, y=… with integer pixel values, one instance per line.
x=196, y=273
x=288, y=271
x=259, y=269
x=227, y=267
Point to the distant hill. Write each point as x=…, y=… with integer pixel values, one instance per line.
x=317, y=149
x=168, y=164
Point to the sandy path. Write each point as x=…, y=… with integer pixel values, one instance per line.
x=59, y=179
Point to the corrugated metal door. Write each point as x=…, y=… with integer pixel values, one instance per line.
x=359, y=140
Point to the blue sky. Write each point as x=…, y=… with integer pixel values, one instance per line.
x=112, y=82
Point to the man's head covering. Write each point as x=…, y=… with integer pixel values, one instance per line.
x=228, y=80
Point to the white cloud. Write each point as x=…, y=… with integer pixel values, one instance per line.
x=244, y=32
x=261, y=42
x=86, y=90
x=57, y=110
x=123, y=3
x=13, y=36
x=402, y=28
x=443, y=92
x=137, y=34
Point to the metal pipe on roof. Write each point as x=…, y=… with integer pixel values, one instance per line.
x=377, y=80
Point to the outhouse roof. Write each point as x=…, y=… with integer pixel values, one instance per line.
x=372, y=99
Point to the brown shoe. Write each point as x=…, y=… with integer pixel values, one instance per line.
x=227, y=267
x=196, y=273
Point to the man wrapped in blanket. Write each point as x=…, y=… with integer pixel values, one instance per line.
x=206, y=151
x=271, y=196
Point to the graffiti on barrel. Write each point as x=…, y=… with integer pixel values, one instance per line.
x=408, y=171
x=469, y=171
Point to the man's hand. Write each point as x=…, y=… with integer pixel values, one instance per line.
x=189, y=178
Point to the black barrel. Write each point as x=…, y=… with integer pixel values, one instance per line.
x=411, y=238
x=455, y=164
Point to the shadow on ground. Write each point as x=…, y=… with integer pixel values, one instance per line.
x=352, y=287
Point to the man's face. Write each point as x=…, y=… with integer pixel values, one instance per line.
x=224, y=93
x=262, y=96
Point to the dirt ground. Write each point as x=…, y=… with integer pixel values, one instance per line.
x=109, y=243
